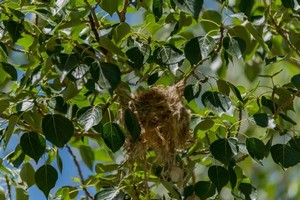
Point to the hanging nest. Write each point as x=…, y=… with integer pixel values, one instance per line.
x=164, y=123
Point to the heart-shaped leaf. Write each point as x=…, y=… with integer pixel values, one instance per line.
x=113, y=136
x=33, y=145
x=57, y=129
x=45, y=178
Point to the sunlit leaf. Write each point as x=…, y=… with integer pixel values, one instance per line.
x=168, y=55
x=192, y=7
x=90, y=117
x=235, y=46
x=216, y=101
x=109, y=194
x=198, y=48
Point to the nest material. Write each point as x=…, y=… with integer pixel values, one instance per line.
x=164, y=122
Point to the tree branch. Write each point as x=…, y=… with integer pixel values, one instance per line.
x=87, y=194
x=122, y=13
x=283, y=34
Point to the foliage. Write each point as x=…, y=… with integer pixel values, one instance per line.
x=180, y=103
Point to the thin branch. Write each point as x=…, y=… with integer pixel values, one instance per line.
x=8, y=187
x=93, y=13
x=87, y=194
x=240, y=122
x=122, y=13
x=281, y=31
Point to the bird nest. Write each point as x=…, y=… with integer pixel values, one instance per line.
x=164, y=124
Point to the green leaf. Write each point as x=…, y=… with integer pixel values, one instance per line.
x=91, y=117
x=256, y=35
x=45, y=178
x=110, y=46
x=59, y=162
x=211, y=21
x=13, y=119
x=65, y=63
x=287, y=118
x=173, y=192
x=205, y=124
x=2, y=193
x=246, y=7
x=216, y=101
x=247, y=189
x=11, y=70
x=221, y=150
x=236, y=92
x=109, y=194
x=295, y=143
x=192, y=91
x=235, y=46
x=27, y=174
x=223, y=86
x=110, y=6
x=120, y=32
x=21, y=194
x=136, y=58
x=232, y=177
x=261, y=119
x=188, y=191
x=296, y=81
x=256, y=148
x=168, y=55
x=288, y=3
x=109, y=76
x=205, y=189
x=4, y=104
x=113, y=136
x=87, y=155
x=58, y=104
x=192, y=7
x=57, y=129
x=219, y=176
x=14, y=29
x=198, y=48
x=157, y=9
x=285, y=155
x=33, y=145
x=132, y=125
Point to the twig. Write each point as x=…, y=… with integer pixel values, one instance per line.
x=240, y=122
x=122, y=13
x=286, y=104
x=282, y=32
x=8, y=187
x=87, y=194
